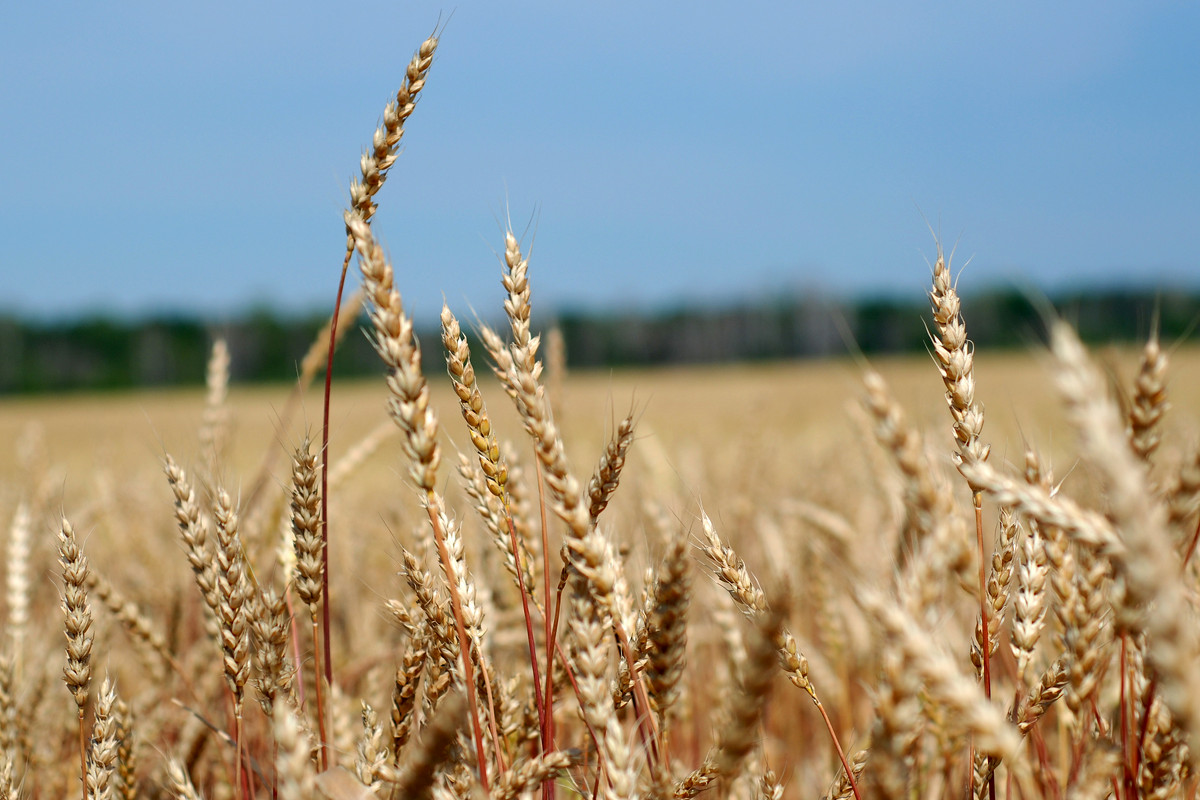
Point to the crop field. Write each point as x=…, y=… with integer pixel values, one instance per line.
x=782, y=458
x=964, y=574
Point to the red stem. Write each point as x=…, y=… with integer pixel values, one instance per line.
x=1126, y=751
x=551, y=632
x=1191, y=547
x=838, y=746
x=324, y=644
x=985, y=639
x=82, y=757
x=320, y=696
x=533, y=658
x=487, y=688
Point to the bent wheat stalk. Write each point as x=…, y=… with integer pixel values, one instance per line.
x=409, y=408
x=374, y=167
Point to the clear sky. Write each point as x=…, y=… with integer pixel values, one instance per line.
x=195, y=156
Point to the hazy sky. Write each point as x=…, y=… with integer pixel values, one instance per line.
x=195, y=156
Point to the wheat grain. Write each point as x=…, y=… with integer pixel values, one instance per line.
x=214, y=429
x=306, y=526
x=371, y=767
x=16, y=578
x=1029, y=604
x=102, y=752
x=233, y=588
x=462, y=378
x=404, y=695
x=181, y=782
x=955, y=358
x=608, y=471
x=78, y=611
x=1149, y=400
x=127, y=751
x=273, y=671
x=666, y=629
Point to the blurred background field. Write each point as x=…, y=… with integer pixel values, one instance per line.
x=704, y=431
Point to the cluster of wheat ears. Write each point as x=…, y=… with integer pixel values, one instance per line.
x=1055, y=657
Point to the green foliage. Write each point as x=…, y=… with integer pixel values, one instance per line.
x=107, y=353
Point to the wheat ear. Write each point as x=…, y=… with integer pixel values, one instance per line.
x=214, y=428
x=180, y=782
x=841, y=788
x=10, y=730
x=666, y=630
x=525, y=776
x=591, y=658
x=462, y=377
x=234, y=588
x=102, y=753
x=273, y=672
x=1183, y=498
x=310, y=562
x=16, y=580
x=1149, y=400
x=78, y=610
x=999, y=578
x=608, y=471
x=404, y=696
x=193, y=527
x=1029, y=604
x=519, y=371
x=127, y=752
x=371, y=766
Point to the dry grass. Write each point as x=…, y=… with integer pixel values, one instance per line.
x=771, y=582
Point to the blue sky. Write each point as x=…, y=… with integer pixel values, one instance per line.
x=196, y=156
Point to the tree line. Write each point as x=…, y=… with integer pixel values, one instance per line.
x=101, y=352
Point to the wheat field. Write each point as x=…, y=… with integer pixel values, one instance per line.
x=827, y=579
